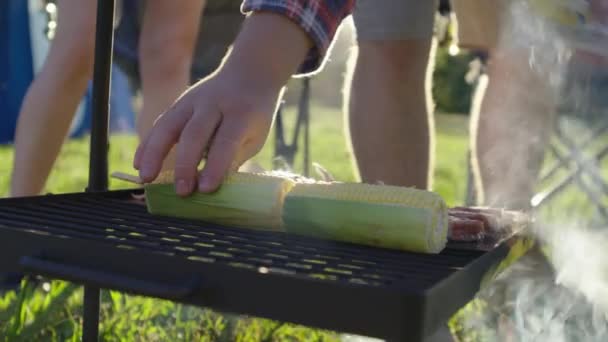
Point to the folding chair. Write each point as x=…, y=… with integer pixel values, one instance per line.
x=577, y=154
x=579, y=146
x=284, y=151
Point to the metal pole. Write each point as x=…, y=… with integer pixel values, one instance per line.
x=90, y=318
x=98, y=164
x=305, y=112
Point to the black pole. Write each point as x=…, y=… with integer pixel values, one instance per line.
x=98, y=165
x=98, y=162
x=305, y=108
x=90, y=317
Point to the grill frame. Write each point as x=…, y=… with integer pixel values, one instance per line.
x=390, y=312
x=385, y=313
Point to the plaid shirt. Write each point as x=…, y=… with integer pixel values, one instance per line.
x=319, y=18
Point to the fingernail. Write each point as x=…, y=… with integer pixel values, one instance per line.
x=182, y=187
x=145, y=173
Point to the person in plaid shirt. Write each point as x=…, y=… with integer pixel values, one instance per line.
x=226, y=117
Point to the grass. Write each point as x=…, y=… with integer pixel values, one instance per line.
x=328, y=148
x=53, y=310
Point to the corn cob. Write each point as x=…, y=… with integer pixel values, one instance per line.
x=376, y=215
x=382, y=216
x=244, y=200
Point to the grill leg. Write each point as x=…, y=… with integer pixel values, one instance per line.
x=98, y=164
x=90, y=321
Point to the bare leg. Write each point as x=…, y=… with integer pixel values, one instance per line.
x=388, y=106
x=167, y=44
x=53, y=97
x=511, y=131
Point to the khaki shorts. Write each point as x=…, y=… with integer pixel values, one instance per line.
x=478, y=20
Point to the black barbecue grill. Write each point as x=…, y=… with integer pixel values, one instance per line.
x=105, y=239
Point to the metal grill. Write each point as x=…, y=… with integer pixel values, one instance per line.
x=128, y=226
x=103, y=239
x=109, y=240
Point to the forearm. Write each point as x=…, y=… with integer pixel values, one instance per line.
x=319, y=19
x=599, y=11
x=268, y=51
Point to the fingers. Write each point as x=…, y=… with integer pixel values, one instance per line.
x=221, y=157
x=140, y=149
x=160, y=140
x=139, y=152
x=193, y=142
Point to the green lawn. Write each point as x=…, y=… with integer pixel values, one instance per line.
x=328, y=148
x=52, y=311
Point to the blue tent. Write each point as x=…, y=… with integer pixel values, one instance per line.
x=17, y=70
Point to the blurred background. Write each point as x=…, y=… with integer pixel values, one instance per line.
x=28, y=27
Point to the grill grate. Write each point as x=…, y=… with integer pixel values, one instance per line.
x=116, y=223
x=127, y=225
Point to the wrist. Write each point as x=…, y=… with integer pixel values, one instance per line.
x=267, y=52
x=247, y=74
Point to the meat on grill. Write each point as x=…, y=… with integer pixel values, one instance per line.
x=468, y=224
x=465, y=230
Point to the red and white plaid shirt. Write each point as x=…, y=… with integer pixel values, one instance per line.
x=319, y=18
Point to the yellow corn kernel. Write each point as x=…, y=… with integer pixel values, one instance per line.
x=377, y=215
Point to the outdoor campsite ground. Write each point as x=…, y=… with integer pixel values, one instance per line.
x=52, y=311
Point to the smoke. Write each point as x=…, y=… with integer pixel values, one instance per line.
x=526, y=304
x=578, y=256
x=559, y=292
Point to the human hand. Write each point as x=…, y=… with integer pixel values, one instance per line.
x=225, y=119
x=599, y=11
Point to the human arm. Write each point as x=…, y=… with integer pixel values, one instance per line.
x=227, y=116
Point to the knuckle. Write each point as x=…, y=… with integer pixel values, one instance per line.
x=154, y=146
x=223, y=141
x=184, y=169
x=187, y=138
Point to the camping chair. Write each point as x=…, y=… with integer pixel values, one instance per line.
x=284, y=151
x=579, y=145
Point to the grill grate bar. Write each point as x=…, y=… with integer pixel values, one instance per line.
x=187, y=249
x=125, y=224
x=408, y=267
x=97, y=232
x=379, y=255
x=193, y=250
x=335, y=273
x=205, y=258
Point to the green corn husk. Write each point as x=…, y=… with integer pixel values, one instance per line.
x=375, y=215
x=381, y=216
x=243, y=200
